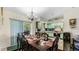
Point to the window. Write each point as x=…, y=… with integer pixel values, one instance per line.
x=27, y=26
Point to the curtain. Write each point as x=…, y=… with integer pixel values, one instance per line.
x=16, y=27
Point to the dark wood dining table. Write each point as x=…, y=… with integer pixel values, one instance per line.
x=40, y=44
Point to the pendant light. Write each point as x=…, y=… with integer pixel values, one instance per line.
x=32, y=15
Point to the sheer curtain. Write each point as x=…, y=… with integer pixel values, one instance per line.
x=16, y=27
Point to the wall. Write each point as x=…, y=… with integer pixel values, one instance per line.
x=70, y=13
x=5, y=27
x=33, y=27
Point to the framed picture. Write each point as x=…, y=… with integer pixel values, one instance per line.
x=72, y=22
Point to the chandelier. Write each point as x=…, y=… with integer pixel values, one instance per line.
x=32, y=15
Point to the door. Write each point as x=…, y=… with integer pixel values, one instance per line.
x=16, y=27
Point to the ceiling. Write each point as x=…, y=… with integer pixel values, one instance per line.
x=42, y=12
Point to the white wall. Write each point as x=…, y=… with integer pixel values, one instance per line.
x=5, y=27
x=70, y=13
x=33, y=27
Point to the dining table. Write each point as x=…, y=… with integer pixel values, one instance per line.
x=41, y=45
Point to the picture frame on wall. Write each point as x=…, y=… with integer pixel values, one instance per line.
x=72, y=22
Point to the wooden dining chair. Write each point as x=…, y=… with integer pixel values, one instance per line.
x=55, y=44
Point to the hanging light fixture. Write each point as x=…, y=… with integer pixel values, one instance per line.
x=32, y=15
